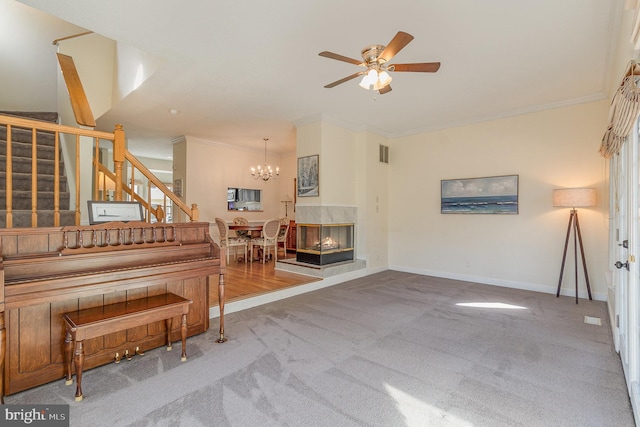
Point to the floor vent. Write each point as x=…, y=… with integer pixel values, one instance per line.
x=592, y=320
x=384, y=154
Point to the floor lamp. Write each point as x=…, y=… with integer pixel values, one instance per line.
x=574, y=198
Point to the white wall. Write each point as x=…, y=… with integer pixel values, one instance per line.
x=29, y=66
x=550, y=149
x=132, y=67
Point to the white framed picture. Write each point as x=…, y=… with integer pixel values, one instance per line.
x=308, y=176
x=100, y=211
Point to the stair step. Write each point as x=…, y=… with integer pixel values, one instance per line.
x=22, y=218
x=22, y=182
x=43, y=116
x=23, y=149
x=23, y=165
x=22, y=200
x=25, y=135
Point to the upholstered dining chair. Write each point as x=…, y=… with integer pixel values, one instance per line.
x=283, y=233
x=268, y=238
x=230, y=242
x=245, y=234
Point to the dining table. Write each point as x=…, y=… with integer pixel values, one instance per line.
x=255, y=230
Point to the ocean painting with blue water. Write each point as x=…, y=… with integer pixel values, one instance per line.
x=488, y=195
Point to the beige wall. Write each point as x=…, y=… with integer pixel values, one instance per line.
x=350, y=175
x=550, y=149
x=372, y=195
x=210, y=168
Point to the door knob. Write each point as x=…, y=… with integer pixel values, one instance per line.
x=625, y=264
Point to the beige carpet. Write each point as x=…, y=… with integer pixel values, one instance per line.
x=391, y=349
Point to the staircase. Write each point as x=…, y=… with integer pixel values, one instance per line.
x=21, y=146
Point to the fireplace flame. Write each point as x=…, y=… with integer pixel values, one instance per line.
x=327, y=243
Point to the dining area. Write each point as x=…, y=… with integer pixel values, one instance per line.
x=254, y=241
x=248, y=278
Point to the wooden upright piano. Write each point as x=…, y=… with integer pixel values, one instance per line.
x=45, y=272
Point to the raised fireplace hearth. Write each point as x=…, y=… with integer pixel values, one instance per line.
x=326, y=242
x=322, y=244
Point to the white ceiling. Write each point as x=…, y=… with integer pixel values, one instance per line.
x=240, y=71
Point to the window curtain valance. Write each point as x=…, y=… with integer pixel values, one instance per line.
x=625, y=107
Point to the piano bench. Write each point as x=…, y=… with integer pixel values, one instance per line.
x=98, y=321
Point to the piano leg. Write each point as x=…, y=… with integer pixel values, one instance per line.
x=221, y=339
x=3, y=349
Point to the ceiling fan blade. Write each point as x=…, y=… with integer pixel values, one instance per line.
x=385, y=89
x=395, y=45
x=346, y=79
x=424, y=67
x=332, y=55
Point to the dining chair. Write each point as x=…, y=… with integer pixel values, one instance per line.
x=230, y=242
x=268, y=237
x=282, y=234
x=245, y=234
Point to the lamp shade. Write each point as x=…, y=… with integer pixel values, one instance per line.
x=574, y=197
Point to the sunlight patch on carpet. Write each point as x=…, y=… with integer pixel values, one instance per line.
x=491, y=305
x=419, y=413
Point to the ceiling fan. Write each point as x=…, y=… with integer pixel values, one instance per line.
x=375, y=59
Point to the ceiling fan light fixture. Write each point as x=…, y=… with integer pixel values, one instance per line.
x=384, y=78
x=375, y=79
x=369, y=79
x=375, y=59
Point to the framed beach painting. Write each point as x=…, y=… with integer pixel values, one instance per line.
x=308, y=179
x=487, y=195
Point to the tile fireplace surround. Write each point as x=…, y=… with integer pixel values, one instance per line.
x=324, y=215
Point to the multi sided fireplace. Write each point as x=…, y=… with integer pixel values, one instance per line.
x=322, y=244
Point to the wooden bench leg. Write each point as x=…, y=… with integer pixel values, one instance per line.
x=183, y=335
x=79, y=362
x=68, y=353
x=168, y=322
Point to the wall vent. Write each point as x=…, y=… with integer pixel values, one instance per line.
x=384, y=154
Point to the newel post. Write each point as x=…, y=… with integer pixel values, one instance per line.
x=195, y=213
x=118, y=159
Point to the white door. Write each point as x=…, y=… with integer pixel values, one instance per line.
x=625, y=184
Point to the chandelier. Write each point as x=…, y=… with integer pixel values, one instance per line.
x=264, y=172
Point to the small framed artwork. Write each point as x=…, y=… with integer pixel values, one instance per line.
x=177, y=187
x=100, y=212
x=308, y=179
x=487, y=195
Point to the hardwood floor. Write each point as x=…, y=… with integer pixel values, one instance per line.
x=244, y=280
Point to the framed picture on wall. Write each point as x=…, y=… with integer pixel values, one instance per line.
x=308, y=179
x=489, y=195
x=177, y=187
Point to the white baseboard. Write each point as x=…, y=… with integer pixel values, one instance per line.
x=536, y=287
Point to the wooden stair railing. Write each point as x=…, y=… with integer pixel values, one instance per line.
x=77, y=96
x=103, y=176
x=117, y=138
